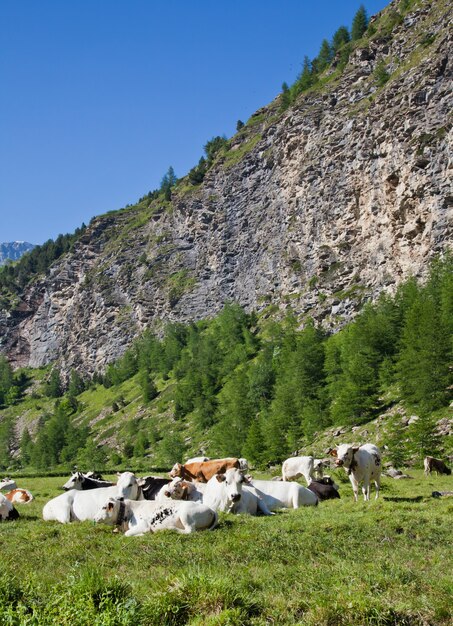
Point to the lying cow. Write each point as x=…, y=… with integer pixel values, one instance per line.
x=224, y=492
x=363, y=464
x=324, y=488
x=281, y=495
x=179, y=489
x=84, y=482
x=150, y=486
x=7, y=510
x=140, y=517
x=431, y=464
x=19, y=496
x=297, y=466
x=74, y=505
x=6, y=484
x=202, y=471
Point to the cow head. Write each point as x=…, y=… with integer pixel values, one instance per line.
x=75, y=482
x=176, y=470
x=344, y=455
x=108, y=513
x=127, y=486
x=232, y=481
x=177, y=489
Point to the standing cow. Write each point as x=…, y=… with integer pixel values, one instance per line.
x=431, y=464
x=297, y=466
x=363, y=464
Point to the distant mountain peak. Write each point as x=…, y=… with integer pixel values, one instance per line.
x=13, y=250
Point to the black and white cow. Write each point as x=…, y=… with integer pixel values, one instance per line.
x=139, y=517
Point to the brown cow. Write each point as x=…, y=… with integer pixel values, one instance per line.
x=202, y=471
x=430, y=464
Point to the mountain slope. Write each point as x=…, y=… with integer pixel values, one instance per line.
x=318, y=207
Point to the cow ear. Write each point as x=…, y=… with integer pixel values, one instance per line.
x=110, y=506
x=167, y=494
x=248, y=478
x=332, y=452
x=355, y=449
x=220, y=477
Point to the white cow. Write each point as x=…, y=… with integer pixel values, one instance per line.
x=179, y=489
x=75, y=505
x=198, y=459
x=7, y=510
x=282, y=495
x=363, y=464
x=224, y=492
x=6, y=484
x=297, y=466
x=144, y=516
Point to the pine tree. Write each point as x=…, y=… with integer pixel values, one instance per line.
x=168, y=181
x=148, y=386
x=6, y=378
x=397, y=434
x=254, y=447
x=54, y=387
x=423, y=437
x=424, y=362
x=213, y=147
x=197, y=173
x=6, y=442
x=359, y=24
x=286, y=96
x=340, y=38
x=76, y=385
x=306, y=78
x=172, y=449
x=324, y=57
x=235, y=411
x=26, y=446
x=141, y=444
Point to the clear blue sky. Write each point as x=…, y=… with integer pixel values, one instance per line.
x=99, y=97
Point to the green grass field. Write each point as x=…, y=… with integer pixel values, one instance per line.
x=385, y=562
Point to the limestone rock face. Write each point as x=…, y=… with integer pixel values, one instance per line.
x=342, y=196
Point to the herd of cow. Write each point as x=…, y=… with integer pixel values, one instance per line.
x=198, y=489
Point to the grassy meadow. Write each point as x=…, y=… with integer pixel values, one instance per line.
x=341, y=563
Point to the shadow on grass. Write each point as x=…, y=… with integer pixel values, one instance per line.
x=408, y=499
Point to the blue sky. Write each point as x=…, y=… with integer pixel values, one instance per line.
x=99, y=97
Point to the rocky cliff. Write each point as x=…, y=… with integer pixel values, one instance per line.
x=318, y=207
